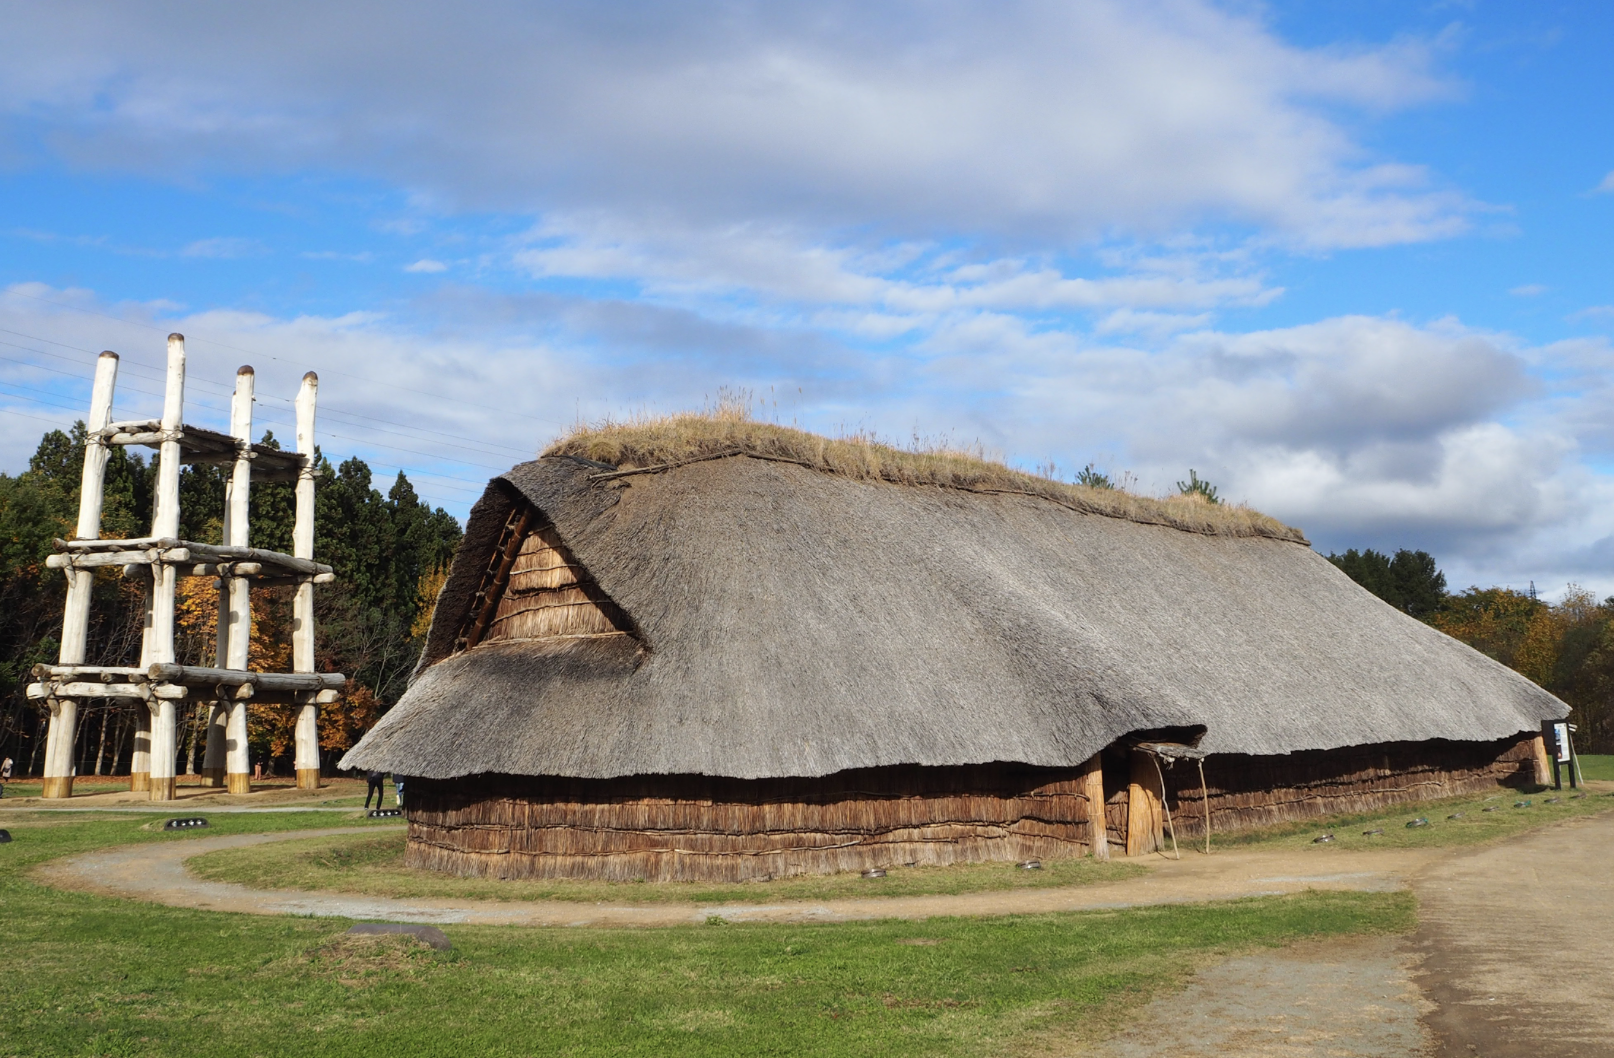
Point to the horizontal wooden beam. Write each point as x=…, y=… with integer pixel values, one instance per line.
x=199, y=676
x=85, y=689
x=200, y=445
x=104, y=673
x=140, y=551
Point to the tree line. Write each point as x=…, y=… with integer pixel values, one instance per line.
x=390, y=553
x=1566, y=647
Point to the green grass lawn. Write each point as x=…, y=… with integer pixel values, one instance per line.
x=374, y=866
x=1598, y=766
x=90, y=975
x=1473, y=825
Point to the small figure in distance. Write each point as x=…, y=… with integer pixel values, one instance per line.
x=374, y=779
x=5, y=775
x=397, y=790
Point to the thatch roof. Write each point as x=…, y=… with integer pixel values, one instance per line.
x=678, y=440
x=790, y=621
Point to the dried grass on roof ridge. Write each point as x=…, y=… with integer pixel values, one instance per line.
x=659, y=441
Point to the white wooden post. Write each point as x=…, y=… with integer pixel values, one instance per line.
x=234, y=599
x=218, y=713
x=237, y=759
x=164, y=574
x=60, y=740
x=140, y=753
x=302, y=623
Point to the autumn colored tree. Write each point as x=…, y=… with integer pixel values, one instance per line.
x=1567, y=648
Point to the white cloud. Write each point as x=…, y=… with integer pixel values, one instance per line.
x=224, y=249
x=362, y=257
x=901, y=282
x=1364, y=431
x=1607, y=184
x=1039, y=123
x=1528, y=290
x=426, y=265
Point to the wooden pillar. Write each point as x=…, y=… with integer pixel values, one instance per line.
x=302, y=624
x=235, y=595
x=1543, y=759
x=80, y=582
x=59, y=743
x=164, y=575
x=1145, y=817
x=1098, y=841
x=213, y=755
x=140, y=748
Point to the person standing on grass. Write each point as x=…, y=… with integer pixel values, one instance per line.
x=397, y=790
x=375, y=780
x=5, y=776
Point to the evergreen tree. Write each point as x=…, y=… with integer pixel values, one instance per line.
x=382, y=548
x=1411, y=581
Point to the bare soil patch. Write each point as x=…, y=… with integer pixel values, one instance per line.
x=1351, y=997
x=1515, y=944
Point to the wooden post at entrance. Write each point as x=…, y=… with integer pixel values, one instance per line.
x=302, y=622
x=1543, y=760
x=1098, y=839
x=1145, y=816
x=63, y=733
x=160, y=685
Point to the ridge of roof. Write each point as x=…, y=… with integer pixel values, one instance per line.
x=649, y=445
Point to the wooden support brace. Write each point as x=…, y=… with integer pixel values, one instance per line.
x=1145, y=817
x=1098, y=841
x=1543, y=759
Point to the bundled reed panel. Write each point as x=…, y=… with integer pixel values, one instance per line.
x=697, y=828
x=1248, y=791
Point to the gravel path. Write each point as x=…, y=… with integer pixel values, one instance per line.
x=156, y=872
x=1516, y=944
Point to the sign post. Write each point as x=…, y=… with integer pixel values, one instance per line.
x=1562, y=745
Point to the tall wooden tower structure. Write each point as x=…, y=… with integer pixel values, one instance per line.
x=159, y=681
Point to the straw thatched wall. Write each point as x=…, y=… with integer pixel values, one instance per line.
x=1247, y=791
x=698, y=828
x=549, y=594
x=684, y=828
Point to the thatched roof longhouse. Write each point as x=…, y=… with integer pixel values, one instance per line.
x=797, y=614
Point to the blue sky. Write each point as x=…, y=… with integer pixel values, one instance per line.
x=1347, y=260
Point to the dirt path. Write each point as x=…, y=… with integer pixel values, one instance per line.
x=1516, y=944
x=157, y=873
x=1341, y=998
x=1511, y=960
